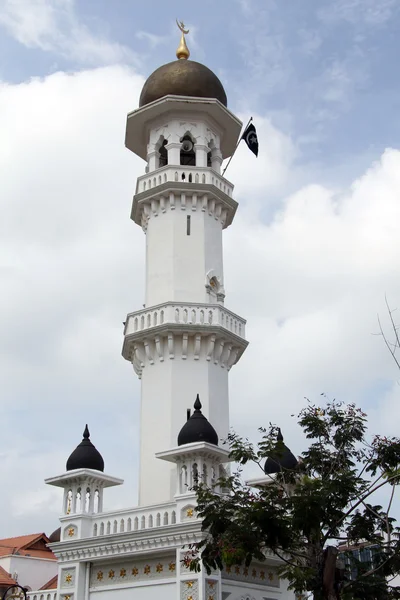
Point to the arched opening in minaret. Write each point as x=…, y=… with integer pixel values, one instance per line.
x=211, y=146
x=188, y=154
x=160, y=147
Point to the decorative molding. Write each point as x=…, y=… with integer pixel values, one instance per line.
x=67, y=579
x=133, y=571
x=166, y=196
x=128, y=543
x=258, y=574
x=212, y=589
x=189, y=589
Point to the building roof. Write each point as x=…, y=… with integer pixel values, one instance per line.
x=51, y=584
x=33, y=545
x=85, y=455
x=5, y=578
x=197, y=428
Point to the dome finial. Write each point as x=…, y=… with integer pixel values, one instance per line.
x=182, y=50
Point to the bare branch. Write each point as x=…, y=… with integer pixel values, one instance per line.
x=392, y=347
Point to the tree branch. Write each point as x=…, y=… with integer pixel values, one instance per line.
x=360, y=501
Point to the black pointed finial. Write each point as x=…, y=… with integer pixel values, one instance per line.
x=279, y=437
x=197, y=404
x=86, y=434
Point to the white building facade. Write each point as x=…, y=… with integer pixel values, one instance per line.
x=181, y=345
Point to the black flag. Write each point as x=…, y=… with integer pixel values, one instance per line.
x=250, y=137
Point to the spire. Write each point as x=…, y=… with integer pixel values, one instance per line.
x=182, y=51
x=197, y=403
x=281, y=457
x=197, y=428
x=85, y=455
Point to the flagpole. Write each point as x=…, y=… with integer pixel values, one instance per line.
x=237, y=145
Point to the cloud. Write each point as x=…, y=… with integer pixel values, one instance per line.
x=307, y=265
x=54, y=26
x=359, y=12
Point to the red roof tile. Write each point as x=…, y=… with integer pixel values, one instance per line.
x=27, y=545
x=5, y=578
x=51, y=585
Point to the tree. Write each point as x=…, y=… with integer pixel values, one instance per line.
x=306, y=511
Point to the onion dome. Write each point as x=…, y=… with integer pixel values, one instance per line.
x=197, y=428
x=85, y=456
x=280, y=459
x=55, y=536
x=182, y=77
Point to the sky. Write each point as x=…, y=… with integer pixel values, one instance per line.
x=313, y=251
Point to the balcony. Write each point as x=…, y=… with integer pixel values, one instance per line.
x=186, y=315
x=185, y=174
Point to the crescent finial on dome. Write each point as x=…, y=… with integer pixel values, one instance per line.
x=182, y=50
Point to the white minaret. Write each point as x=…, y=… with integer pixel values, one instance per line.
x=184, y=341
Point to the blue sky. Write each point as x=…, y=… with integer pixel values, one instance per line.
x=325, y=71
x=312, y=252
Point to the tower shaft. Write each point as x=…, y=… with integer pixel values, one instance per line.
x=184, y=341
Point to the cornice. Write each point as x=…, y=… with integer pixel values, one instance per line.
x=129, y=543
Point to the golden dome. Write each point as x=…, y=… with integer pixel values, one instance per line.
x=182, y=78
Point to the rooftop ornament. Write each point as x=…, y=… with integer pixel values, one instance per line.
x=182, y=50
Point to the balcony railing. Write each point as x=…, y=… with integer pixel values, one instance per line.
x=185, y=314
x=186, y=174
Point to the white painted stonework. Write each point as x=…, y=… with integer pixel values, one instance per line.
x=183, y=342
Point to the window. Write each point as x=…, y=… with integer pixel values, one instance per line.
x=163, y=160
x=188, y=225
x=188, y=155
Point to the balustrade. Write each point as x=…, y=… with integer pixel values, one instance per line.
x=185, y=314
x=134, y=520
x=179, y=173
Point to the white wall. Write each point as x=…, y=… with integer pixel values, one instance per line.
x=168, y=389
x=166, y=591
x=177, y=263
x=32, y=572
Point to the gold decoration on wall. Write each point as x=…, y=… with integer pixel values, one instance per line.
x=211, y=584
x=111, y=574
x=237, y=570
x=122, y=573
x=67, y=597
x=245, y=572
x=189, y=583
x=270, y=576
x=68, y=578
x=190, y=598
x=71, y=532
x=254, y=573
x=210, y=597
x=147, y=570
x=182, y=50
x=159, y=568
x=135, y=571
x=262, y=574
x=189, y=512
x=172, y=566
x=100, y=575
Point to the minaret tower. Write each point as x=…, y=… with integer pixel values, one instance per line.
x=184, y=341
